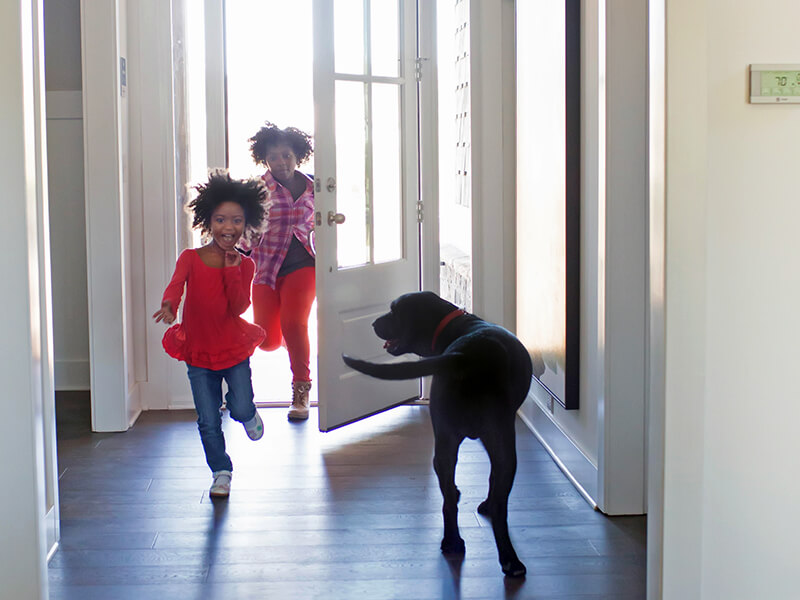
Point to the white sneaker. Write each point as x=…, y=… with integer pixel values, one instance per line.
x=254, y=427
x=299, y=409
x=221, y=488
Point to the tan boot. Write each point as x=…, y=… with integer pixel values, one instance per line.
x=299, y=409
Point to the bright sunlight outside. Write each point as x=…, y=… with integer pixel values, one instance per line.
x=269, y=64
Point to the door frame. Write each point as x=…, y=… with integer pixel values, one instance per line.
x=428, y=151
x=27, y=366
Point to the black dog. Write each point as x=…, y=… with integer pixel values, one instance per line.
x=481, y=376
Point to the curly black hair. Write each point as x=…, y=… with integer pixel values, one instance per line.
x=270, y=135
x=250, y=194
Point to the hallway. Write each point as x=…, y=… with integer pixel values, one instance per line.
x=355, y=513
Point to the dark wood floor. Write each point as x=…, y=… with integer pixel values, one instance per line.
x=355, y=513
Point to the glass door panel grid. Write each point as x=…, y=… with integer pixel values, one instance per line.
x=373, y=230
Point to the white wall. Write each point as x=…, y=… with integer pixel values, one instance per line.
x=732, y=283
x=685, y=297
x=163, y=381
x=132, y=205
x=115, y=393
x=581, y=425
x=67, y=212
x=602, y=444
x=62, y=24
x=68, y=239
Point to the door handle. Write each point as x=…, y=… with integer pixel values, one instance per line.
x=335, y=218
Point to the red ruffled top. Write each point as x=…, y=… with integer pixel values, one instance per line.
x=211, y=335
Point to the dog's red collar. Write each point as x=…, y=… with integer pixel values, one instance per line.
x=443, y=323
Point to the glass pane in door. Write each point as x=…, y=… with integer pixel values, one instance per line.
x=384, y=36
x=387, y=187
x=348, y=36
x=351, y=167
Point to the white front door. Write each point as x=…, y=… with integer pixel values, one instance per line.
x=365, y=98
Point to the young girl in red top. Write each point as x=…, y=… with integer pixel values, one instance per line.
x=213, y=340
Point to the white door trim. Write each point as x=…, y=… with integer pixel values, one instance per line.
x=493, y=145
x=427, y=89
x=656, y=342
x=216, y=123
x=23, y=368
x=51, y=516
x=106, y=225
x=153, y=149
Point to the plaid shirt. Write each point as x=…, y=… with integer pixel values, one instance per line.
x=287, y=218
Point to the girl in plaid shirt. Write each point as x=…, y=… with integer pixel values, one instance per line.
x=284, y=284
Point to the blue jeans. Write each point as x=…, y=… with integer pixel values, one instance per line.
x=207, y=392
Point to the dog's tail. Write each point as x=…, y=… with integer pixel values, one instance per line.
x=405, y=370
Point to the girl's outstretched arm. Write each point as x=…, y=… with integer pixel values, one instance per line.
x=174, y=292
x=237, y=281
x=165, y=313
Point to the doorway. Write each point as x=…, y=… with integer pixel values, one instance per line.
x=269, y=64
x=370, y=178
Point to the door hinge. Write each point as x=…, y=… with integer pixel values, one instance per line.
x=420, y=211
x=418, y=67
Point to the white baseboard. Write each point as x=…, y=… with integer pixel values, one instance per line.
x=72, y=375
x=572, y=462
x=133, y=416
x=181, y=403
x=53, y=532
x=134, y=404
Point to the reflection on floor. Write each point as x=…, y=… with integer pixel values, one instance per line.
x=354, y=513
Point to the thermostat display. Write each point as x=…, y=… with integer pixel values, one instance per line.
x=775, y=84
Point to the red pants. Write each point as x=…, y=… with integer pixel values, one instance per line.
x=283, y=313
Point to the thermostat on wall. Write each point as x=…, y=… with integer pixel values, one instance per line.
x=775, y=84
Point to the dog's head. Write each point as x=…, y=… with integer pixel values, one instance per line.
x=411, y=322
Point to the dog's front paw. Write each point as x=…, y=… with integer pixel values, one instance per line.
x=514, y=568
x=453, y=546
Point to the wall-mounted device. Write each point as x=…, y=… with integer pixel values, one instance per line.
x=775, y=84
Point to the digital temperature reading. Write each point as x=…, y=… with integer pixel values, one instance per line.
x=780, y=83
x=775, y=84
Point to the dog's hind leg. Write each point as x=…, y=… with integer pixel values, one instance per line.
x=501, y=448
x=444, y=463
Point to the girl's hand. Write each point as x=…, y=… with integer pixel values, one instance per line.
x=165, y=313
x=232, y=258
